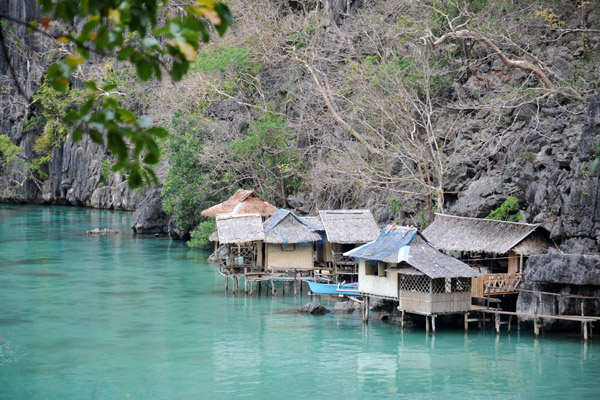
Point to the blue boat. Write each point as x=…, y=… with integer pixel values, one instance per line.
x=345, y=289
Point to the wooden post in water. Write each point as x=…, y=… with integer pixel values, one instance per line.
x=466, y=322
x=402, y=320
x=585, y=330
x=536, y=327
x=245, y=279
x=226, y=283
x=509, y=321
x=426, y=325
x=272, y=283
x=433, y=323
x=497, y=322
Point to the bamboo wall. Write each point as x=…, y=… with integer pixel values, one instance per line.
x=434, y=303
x=299, y=258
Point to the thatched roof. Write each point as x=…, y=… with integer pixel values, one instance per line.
x=214, y=237
x=239, y=228
x=315, y=221
x=286, y=227
x=349, y=226
x=451, y=233
x=405, y=246
x=536, y=243
x=242, y=202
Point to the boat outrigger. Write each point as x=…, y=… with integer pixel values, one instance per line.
x=336, y=288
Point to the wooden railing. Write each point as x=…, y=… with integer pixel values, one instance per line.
x=493, y=284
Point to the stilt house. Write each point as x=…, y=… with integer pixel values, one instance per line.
x=289, y=242
x=497, y=248
x=345, y=230
x=400, y=265
x=242, y=235
x=242, y=202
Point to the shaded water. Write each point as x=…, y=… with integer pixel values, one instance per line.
x=122, y=317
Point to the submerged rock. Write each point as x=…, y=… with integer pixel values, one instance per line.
x=103, y=232
x=343, y=307
x=314, y=308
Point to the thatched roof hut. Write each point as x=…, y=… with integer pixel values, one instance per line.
x=239, y=228
x=242, y=202
x=349, y=226
x=452, y=233
x=286, y=227
x=405, y=246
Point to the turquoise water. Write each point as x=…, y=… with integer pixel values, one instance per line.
x=127, y=317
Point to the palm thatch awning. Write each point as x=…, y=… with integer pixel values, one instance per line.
x=214, y=237
x=242, y=202
x=349, y=226
x=451, y=233
x=239, y=228
x=286, y=227
x=405, y=246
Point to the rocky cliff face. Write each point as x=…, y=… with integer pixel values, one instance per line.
x=75, y=169
x=539, y=152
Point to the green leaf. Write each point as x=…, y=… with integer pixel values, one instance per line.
x=158, y=132
x=96, y=136
x=135, y=178
x=72, y=116
x=117, y=146
x=109, y=87
x=91, y=85
x=144, y=70
x=126, y=115
x=125, y=53
x=77, y=134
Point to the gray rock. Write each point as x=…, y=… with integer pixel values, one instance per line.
x=150, y=218
x=314, y=308
x=343, y=307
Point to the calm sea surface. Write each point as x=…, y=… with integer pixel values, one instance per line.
x=127, y=317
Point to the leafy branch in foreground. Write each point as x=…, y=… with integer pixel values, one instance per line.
x=129, y=30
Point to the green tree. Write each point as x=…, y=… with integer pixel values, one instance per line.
x=139, y=31
x=269, y=157
x=508, y=211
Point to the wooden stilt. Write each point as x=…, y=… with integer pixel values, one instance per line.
x=272, y=284
x=518, y=325
x=226, y=283
x=246, y=280
x=427, y=325
x=402, y=320
x=585, y=331
x=509, y=321
x=466, y=322
x=433, y=323
x=497, y=323
x=536, y=327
